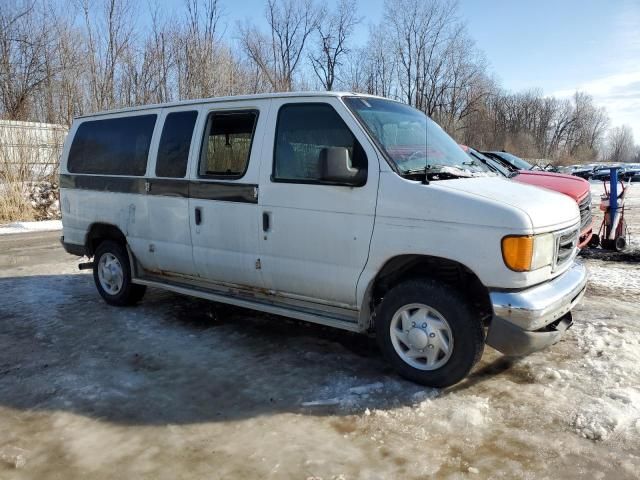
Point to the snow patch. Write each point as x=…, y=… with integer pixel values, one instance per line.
x=610, y=408
x=461, y=414
x=624, y=278
x=24, y=227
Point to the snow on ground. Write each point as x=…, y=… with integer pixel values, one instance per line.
x=183, y=388
x=624, y=278
x=25, y=227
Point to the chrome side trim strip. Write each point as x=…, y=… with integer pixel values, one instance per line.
x=254, y=304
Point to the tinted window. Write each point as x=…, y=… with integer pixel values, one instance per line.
x=115, y=146
x=173, y=151
x=227, y=143
x=302, y=133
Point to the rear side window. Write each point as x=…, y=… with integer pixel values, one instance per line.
x=227, y=144
x=115, y=146
x=173, y=151
x=303, y=131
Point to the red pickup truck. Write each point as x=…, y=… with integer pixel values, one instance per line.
x=575, y=187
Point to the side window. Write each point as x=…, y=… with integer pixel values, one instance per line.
x=304, y=133
x=227, y=144
x=173, y=151
x=114, y=146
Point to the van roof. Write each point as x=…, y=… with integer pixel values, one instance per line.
x=224, y=99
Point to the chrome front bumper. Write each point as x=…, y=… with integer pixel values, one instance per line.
x=528, y=320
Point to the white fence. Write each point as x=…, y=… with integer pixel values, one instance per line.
x=29, y=151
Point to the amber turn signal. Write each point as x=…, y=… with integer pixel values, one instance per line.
x=517, y=252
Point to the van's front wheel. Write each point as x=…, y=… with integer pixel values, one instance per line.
x=112, y=275
x=429, y=333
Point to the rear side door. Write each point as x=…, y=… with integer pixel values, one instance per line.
x=168, y=192
x=223, y=203
x=315, y=239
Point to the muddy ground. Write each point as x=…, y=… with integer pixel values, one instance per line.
x=183, y=388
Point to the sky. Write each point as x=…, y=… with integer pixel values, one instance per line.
x=559, y=46
x=562, y=46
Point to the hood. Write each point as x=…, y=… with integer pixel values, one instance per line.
x=574, y=187
x=547, y=210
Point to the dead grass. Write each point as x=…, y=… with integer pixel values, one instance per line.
x=28, y=156
x=14, y=205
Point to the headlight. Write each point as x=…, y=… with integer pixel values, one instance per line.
x=523, y=253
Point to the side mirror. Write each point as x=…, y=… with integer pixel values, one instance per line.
x=336, y=167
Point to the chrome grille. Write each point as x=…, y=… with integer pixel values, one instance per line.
x=585, y=211
x=566, y=246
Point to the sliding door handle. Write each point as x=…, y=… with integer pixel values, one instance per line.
x=198, y=213
x=266, y=221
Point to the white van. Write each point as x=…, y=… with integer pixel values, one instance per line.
x=351, y=211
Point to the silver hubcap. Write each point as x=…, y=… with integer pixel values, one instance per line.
x=110, y=274
x=421, y=336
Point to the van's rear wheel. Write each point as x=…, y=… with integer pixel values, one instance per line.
x=429, y=333
x=112, y=275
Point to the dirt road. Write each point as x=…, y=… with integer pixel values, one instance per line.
x=182, y=388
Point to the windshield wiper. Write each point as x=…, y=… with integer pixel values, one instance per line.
x=415, y=172
x=446, y=171
x=439, y=172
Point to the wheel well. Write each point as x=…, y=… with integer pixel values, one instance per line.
x=455, y=274
x=103, y=231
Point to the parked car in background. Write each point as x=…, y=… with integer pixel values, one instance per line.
x=631, y=174
x=583, y=172
x=351, y=211
x=576, y=188
x=604, y=173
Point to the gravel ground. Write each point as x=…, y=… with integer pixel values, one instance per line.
x=183, y=388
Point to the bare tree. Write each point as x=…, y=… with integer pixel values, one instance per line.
x=278, y=53
x=25, y=40
x=333, y=33
x=421, y=32
x=196, y=50
x=63, y=96
x=380, y=63
x=109, y=38
x=621, y=147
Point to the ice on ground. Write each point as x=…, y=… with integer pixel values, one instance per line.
x=148, y=392
x=341, y=392
x=24, y=227
x=623, y=277
x=13, y=456
x=606, y=375
x=364, y=389
x=613, y=415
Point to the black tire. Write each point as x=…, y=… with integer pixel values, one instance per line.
x=594, y=241
x=467, y=330
x=129, y=293
x=621, y=244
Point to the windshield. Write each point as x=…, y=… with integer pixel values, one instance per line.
x=413, y=142
x=517, y=162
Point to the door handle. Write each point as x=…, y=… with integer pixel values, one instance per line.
x=198, y=212
x=266, y=221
